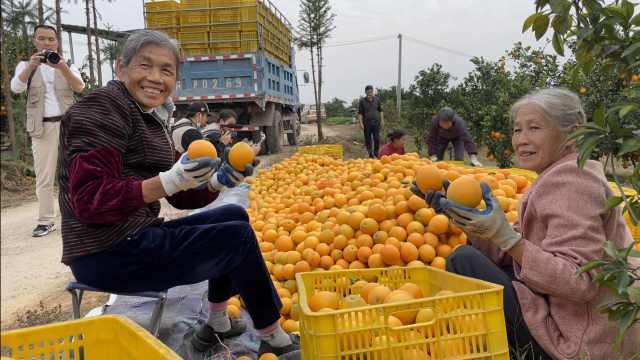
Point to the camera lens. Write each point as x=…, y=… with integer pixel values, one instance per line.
x=51, y=57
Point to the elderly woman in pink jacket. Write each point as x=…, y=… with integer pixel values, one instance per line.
x=562, y=225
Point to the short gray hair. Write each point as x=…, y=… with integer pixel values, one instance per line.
x=562, y=106
x=141, y=38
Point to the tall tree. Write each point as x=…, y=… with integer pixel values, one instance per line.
x=92, y=78
x=6, y=92
x=58, y=11
x=97, y=40
x=40, y=12
x=314, y=28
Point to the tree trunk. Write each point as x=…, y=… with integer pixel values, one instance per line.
x=319, y=95
x=92, y=78
x=59, y=25
x=6, y=88
x=315, y=92
x=98, y=60
x=40, y=12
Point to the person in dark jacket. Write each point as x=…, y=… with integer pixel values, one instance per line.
x=371, y=119
x=447, y=127
x=117, y=161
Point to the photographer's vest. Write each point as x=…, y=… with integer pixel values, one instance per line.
x=35, y=100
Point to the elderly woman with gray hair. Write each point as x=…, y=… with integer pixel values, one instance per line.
x=116, y=162
x=562, y=225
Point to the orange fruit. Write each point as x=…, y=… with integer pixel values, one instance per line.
x=375, y=261
x=415, y=227
x=326, y=236
x=392, y=241
x=311, y=242
x=326, y=262
x=465, y=191
x=284, y=243
x=412, y=289
x=390, y=255
x=439, y=224
x=324, y=299
x=364, y=253
x=270, y=236
x=364, y=240
x=398, y=232
x=401, y=207
x=323, y=249
x=386, y=225
x=201, y=148
x=408, y=252
x=427, y=253
x=428, y=177
x=357, y=265
x=405, y=219
x=377, y=295
x=350, y=253
x=416, y=203
x=379, y=237
x=444, y=250
x=339, y=242
x=377, y=212
x=369, y=226
x=286, y=306
x=268, y=356
x=290, y=326
x=355, y=219
x=416, y=239
x=233, y=311
x=301, y=266
x=439, y=262
x=240, y=155
x=366, y=289
x=424, y=215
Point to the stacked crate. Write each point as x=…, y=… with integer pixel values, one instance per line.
x=163, y=16
x=206, y=27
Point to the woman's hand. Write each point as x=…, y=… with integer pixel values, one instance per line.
x=188, y=174
x=229, y=177
x=489, y=224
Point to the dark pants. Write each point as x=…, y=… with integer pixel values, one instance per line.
x=458, y=148
x=217, y=245
x=468, y=261
x=372, y=139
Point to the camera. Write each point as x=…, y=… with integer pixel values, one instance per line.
x=50, y=56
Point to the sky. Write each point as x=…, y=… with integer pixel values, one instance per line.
x=474, y=27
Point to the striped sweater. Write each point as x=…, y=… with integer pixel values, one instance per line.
x=108, y=146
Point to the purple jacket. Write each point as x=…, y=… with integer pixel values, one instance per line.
x=438, y=136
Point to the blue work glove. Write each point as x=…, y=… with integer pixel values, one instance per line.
x=229, y=177
x=489, y=224
x=188, y=174
x=431, y=197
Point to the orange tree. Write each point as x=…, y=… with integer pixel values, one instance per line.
x=605, y=37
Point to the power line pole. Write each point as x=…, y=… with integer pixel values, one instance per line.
x=398, y=88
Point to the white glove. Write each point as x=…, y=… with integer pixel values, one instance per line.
x=188, y=174
x=489, y=224
x=433, y=158
x=229, y=177
x=474, y=160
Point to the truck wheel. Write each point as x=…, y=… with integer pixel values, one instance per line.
x=274, y=134
x=293, y=137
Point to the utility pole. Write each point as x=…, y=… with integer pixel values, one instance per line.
x=399, y=86
x=73, y=58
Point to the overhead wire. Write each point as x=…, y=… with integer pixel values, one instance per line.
x=438, y=47
x=363, y=41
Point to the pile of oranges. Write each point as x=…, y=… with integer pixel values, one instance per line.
x=316, y=213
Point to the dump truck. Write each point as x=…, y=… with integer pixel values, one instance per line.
x=235, y=54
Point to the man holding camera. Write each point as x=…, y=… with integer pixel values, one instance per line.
x=50, y=84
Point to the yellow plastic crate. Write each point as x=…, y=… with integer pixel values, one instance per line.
x=97, y=338
x=161, y=5
x=226, y=27
x=217, y=36
x=162, y=20
x=226, y=3
x=193, y=50
x=468, y=324
x=194, y=37
x=194, y=4
x=333, y=150
x=194, y=18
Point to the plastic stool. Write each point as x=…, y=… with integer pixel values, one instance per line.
x=77, y=289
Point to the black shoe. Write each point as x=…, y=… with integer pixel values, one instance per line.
x=205, y=337
x=265, y=347
x=43, y=230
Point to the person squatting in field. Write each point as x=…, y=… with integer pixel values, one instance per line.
x=397, y=140
x=117, y=161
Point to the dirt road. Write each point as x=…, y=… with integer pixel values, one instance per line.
x=30, y=267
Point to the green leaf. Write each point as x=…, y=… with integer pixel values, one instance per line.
x=591, y=265
x=631, y=49
x=529, y=21
x=586, y=148
x=559, y=7
x=635, y=20
x=629, y=146
x=540, y=25
x=598, y=116
x=558, y=44
x=623, y=282
x=626, y=109
x=613, y=202
x=610, y=249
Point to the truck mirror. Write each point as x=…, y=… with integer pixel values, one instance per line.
x=305, y=76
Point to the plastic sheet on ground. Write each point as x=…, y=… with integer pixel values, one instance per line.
x=186, y=308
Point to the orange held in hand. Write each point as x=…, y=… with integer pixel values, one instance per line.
x=240, y=155
x=201, y=148
x=465, y=191
x=428, y=178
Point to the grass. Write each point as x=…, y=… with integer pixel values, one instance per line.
x=338, y=120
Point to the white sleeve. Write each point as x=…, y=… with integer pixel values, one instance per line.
x=17, y=86
x=76, y=72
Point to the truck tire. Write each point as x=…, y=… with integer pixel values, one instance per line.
x=293, y=137
x=274, y=134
